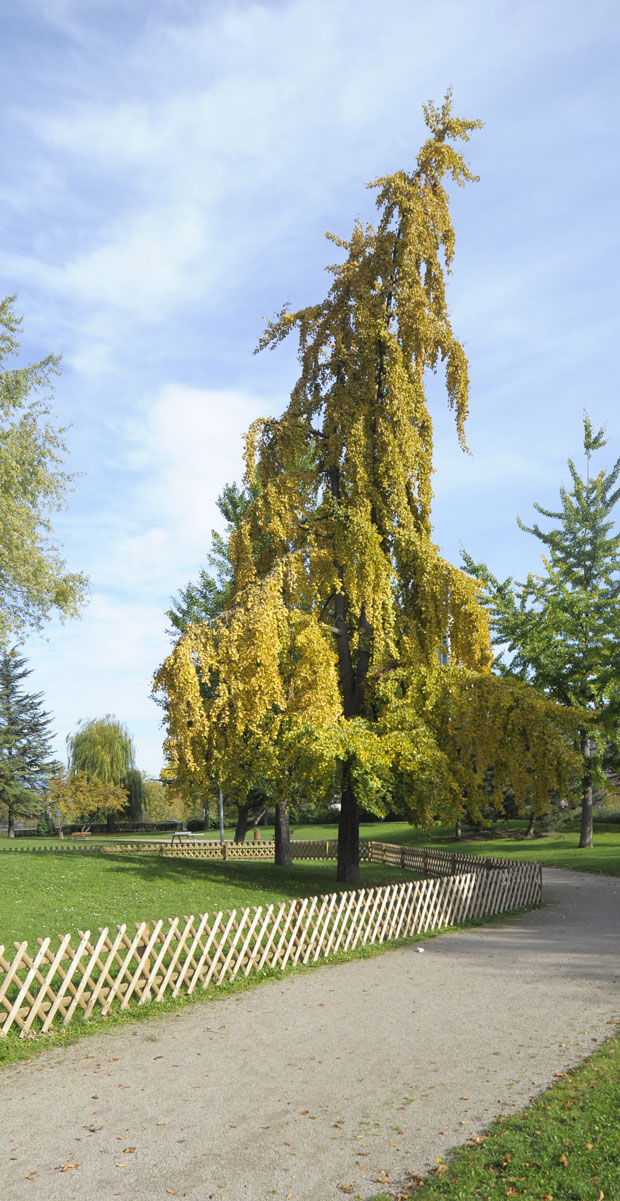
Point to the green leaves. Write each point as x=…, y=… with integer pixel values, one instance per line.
x=560, y=628
x=34, y=581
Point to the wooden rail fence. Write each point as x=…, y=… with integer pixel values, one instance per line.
x=88, y=974
x=200, y=849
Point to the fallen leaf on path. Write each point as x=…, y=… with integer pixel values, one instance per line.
x=31, y=1175
x=129, y=1150
x=345, y=1188
x=64, y=1167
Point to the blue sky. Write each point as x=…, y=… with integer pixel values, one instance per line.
x=170, y=168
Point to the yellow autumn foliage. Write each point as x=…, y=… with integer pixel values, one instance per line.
x=353, y=653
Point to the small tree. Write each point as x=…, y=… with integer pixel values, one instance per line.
x=161, y=802
x=102, y=750
x=246, y=699
x=24, y=742
x=76, y=798
x=560, y=629
x=34, y=581
x=200, y=613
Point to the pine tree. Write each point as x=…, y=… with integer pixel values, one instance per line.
x=211, y=594
x=24, y=743
x=560, y=629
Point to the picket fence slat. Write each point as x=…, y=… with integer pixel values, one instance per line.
x=40, y=991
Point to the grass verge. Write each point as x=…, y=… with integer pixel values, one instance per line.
x=564, y=1147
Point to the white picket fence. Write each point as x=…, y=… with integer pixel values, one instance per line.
x=92, y=974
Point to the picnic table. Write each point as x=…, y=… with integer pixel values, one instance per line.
x=181, y=834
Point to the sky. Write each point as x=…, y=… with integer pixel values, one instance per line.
x=170, y=169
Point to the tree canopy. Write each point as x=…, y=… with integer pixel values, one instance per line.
x=77, y=797
x=34, y=580
x=559, y=629
x=102, y=748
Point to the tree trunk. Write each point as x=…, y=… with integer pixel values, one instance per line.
x=110, y=824
x=529, y=833
x=11, y=823
x=242, y=822
x=283, y=855
x=587, y=823
x=458, y=833
x=348, y=871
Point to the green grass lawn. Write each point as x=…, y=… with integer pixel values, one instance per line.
x=41, y=894
x=53, y=894
x=564, y=1147
x=556, y=849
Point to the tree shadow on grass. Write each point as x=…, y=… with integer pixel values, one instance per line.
x=250, y=879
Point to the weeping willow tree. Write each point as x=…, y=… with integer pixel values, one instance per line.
x=338, y=533
x=101, y=750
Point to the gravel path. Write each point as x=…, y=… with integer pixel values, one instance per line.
x=350, y=1076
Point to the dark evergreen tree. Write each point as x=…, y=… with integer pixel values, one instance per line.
x=559, y=630
x=24, y=743
x=134, y=784
x=210, y=595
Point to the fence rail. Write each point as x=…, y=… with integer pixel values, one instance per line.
x=40, y=991
x=200, y=849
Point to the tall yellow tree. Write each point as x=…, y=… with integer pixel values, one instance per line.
x=342, y=493
x=336, y=540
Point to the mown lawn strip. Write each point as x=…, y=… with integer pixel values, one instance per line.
x=564, y=1147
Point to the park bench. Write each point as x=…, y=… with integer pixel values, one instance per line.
x=81, y=834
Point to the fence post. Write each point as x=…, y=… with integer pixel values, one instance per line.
x=225, y=849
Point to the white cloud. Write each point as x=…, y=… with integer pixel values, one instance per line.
x=186, y=446
x=104, y=663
